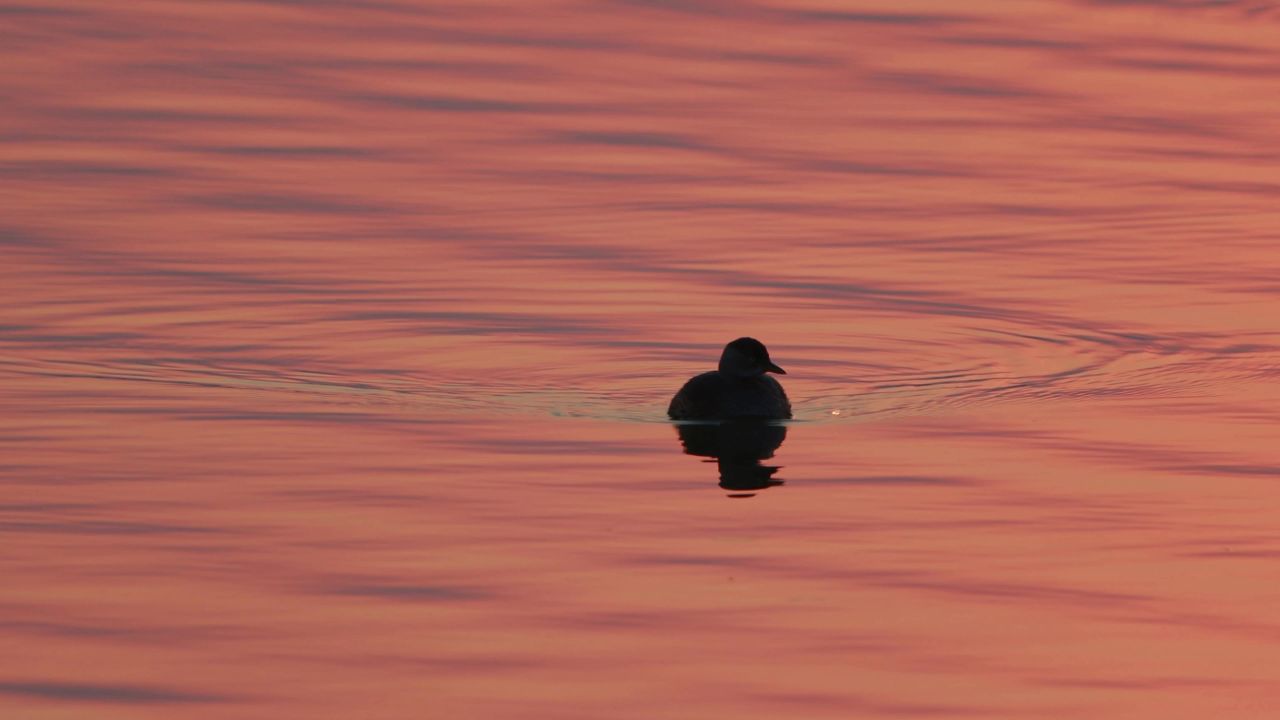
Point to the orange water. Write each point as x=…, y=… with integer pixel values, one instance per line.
x=336, y=340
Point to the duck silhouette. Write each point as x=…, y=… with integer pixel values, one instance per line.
x=739, y=389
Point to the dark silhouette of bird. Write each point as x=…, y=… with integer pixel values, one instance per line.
x=740, y=388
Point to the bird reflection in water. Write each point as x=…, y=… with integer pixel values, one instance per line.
x=738, y=446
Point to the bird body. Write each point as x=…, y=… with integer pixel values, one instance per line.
x=738, y=389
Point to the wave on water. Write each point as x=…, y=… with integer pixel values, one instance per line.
x=1016, y=367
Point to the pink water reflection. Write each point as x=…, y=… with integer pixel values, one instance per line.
x=337, y=341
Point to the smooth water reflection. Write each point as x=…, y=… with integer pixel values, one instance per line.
x=737, y=447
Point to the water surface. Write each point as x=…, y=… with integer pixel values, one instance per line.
x=337, y=339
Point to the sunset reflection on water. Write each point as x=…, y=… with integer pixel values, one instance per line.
x=337, y=341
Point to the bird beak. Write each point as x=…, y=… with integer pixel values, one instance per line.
x=774, y=368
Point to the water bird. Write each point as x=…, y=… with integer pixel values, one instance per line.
x=738, y=389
